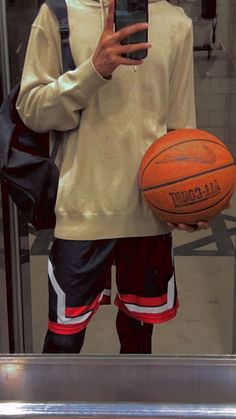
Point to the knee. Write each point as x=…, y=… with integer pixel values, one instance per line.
x=127, y=323
x=55, y=343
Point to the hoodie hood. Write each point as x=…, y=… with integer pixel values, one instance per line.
x=103, y=4
x=96, y=3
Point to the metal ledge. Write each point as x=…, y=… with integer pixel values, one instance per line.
x=115, y=410
x=119, y=387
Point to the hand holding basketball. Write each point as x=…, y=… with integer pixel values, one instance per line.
x=201, y=225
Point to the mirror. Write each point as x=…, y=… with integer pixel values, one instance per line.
x=205, y=261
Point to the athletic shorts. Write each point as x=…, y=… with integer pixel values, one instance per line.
x=80, y=270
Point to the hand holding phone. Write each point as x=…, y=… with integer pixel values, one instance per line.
x=112, y=51
x=127, y=13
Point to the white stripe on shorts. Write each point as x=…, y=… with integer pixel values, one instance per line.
x=156, y=310
x=61, y=302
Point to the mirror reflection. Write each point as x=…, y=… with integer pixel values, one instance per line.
x=204, y=260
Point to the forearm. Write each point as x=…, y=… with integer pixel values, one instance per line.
x=48, y=104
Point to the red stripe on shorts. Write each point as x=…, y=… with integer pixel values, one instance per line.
x=79, y=311
x=67, y=329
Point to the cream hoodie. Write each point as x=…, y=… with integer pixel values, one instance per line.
x=108, y=124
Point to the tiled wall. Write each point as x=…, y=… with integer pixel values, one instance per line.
x=215, y=80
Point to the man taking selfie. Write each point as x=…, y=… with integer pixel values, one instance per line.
x=111, y=109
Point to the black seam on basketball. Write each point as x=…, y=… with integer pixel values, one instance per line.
x=173, y=145
x=217, y=169
x=191, y=212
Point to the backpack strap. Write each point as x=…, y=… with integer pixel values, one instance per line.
x=59, y=8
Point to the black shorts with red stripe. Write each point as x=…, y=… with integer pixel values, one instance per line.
x=79, y=272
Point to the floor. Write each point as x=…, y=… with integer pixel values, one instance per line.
x=205, y=277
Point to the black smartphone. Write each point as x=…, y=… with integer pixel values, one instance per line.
x=129, y=12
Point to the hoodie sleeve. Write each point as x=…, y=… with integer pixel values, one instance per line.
x=181, y=109
x=49, y=100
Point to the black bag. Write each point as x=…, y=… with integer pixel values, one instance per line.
x=30, y=174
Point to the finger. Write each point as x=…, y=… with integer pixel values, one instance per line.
x=110, y=16
x=187, y=227
x=130, y=30
x=126, y=49
x=203, y=225
x=130, y=61
x=181, y=226
x=124, y=57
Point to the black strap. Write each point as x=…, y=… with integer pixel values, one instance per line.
x=59, y=8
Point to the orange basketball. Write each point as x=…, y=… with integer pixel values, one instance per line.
x=187, y=175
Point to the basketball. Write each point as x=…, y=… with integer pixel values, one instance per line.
x=187, y=175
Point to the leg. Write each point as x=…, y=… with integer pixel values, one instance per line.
x=77, y=271
x=146, y=289
x=70, y=344
x=135, y=337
